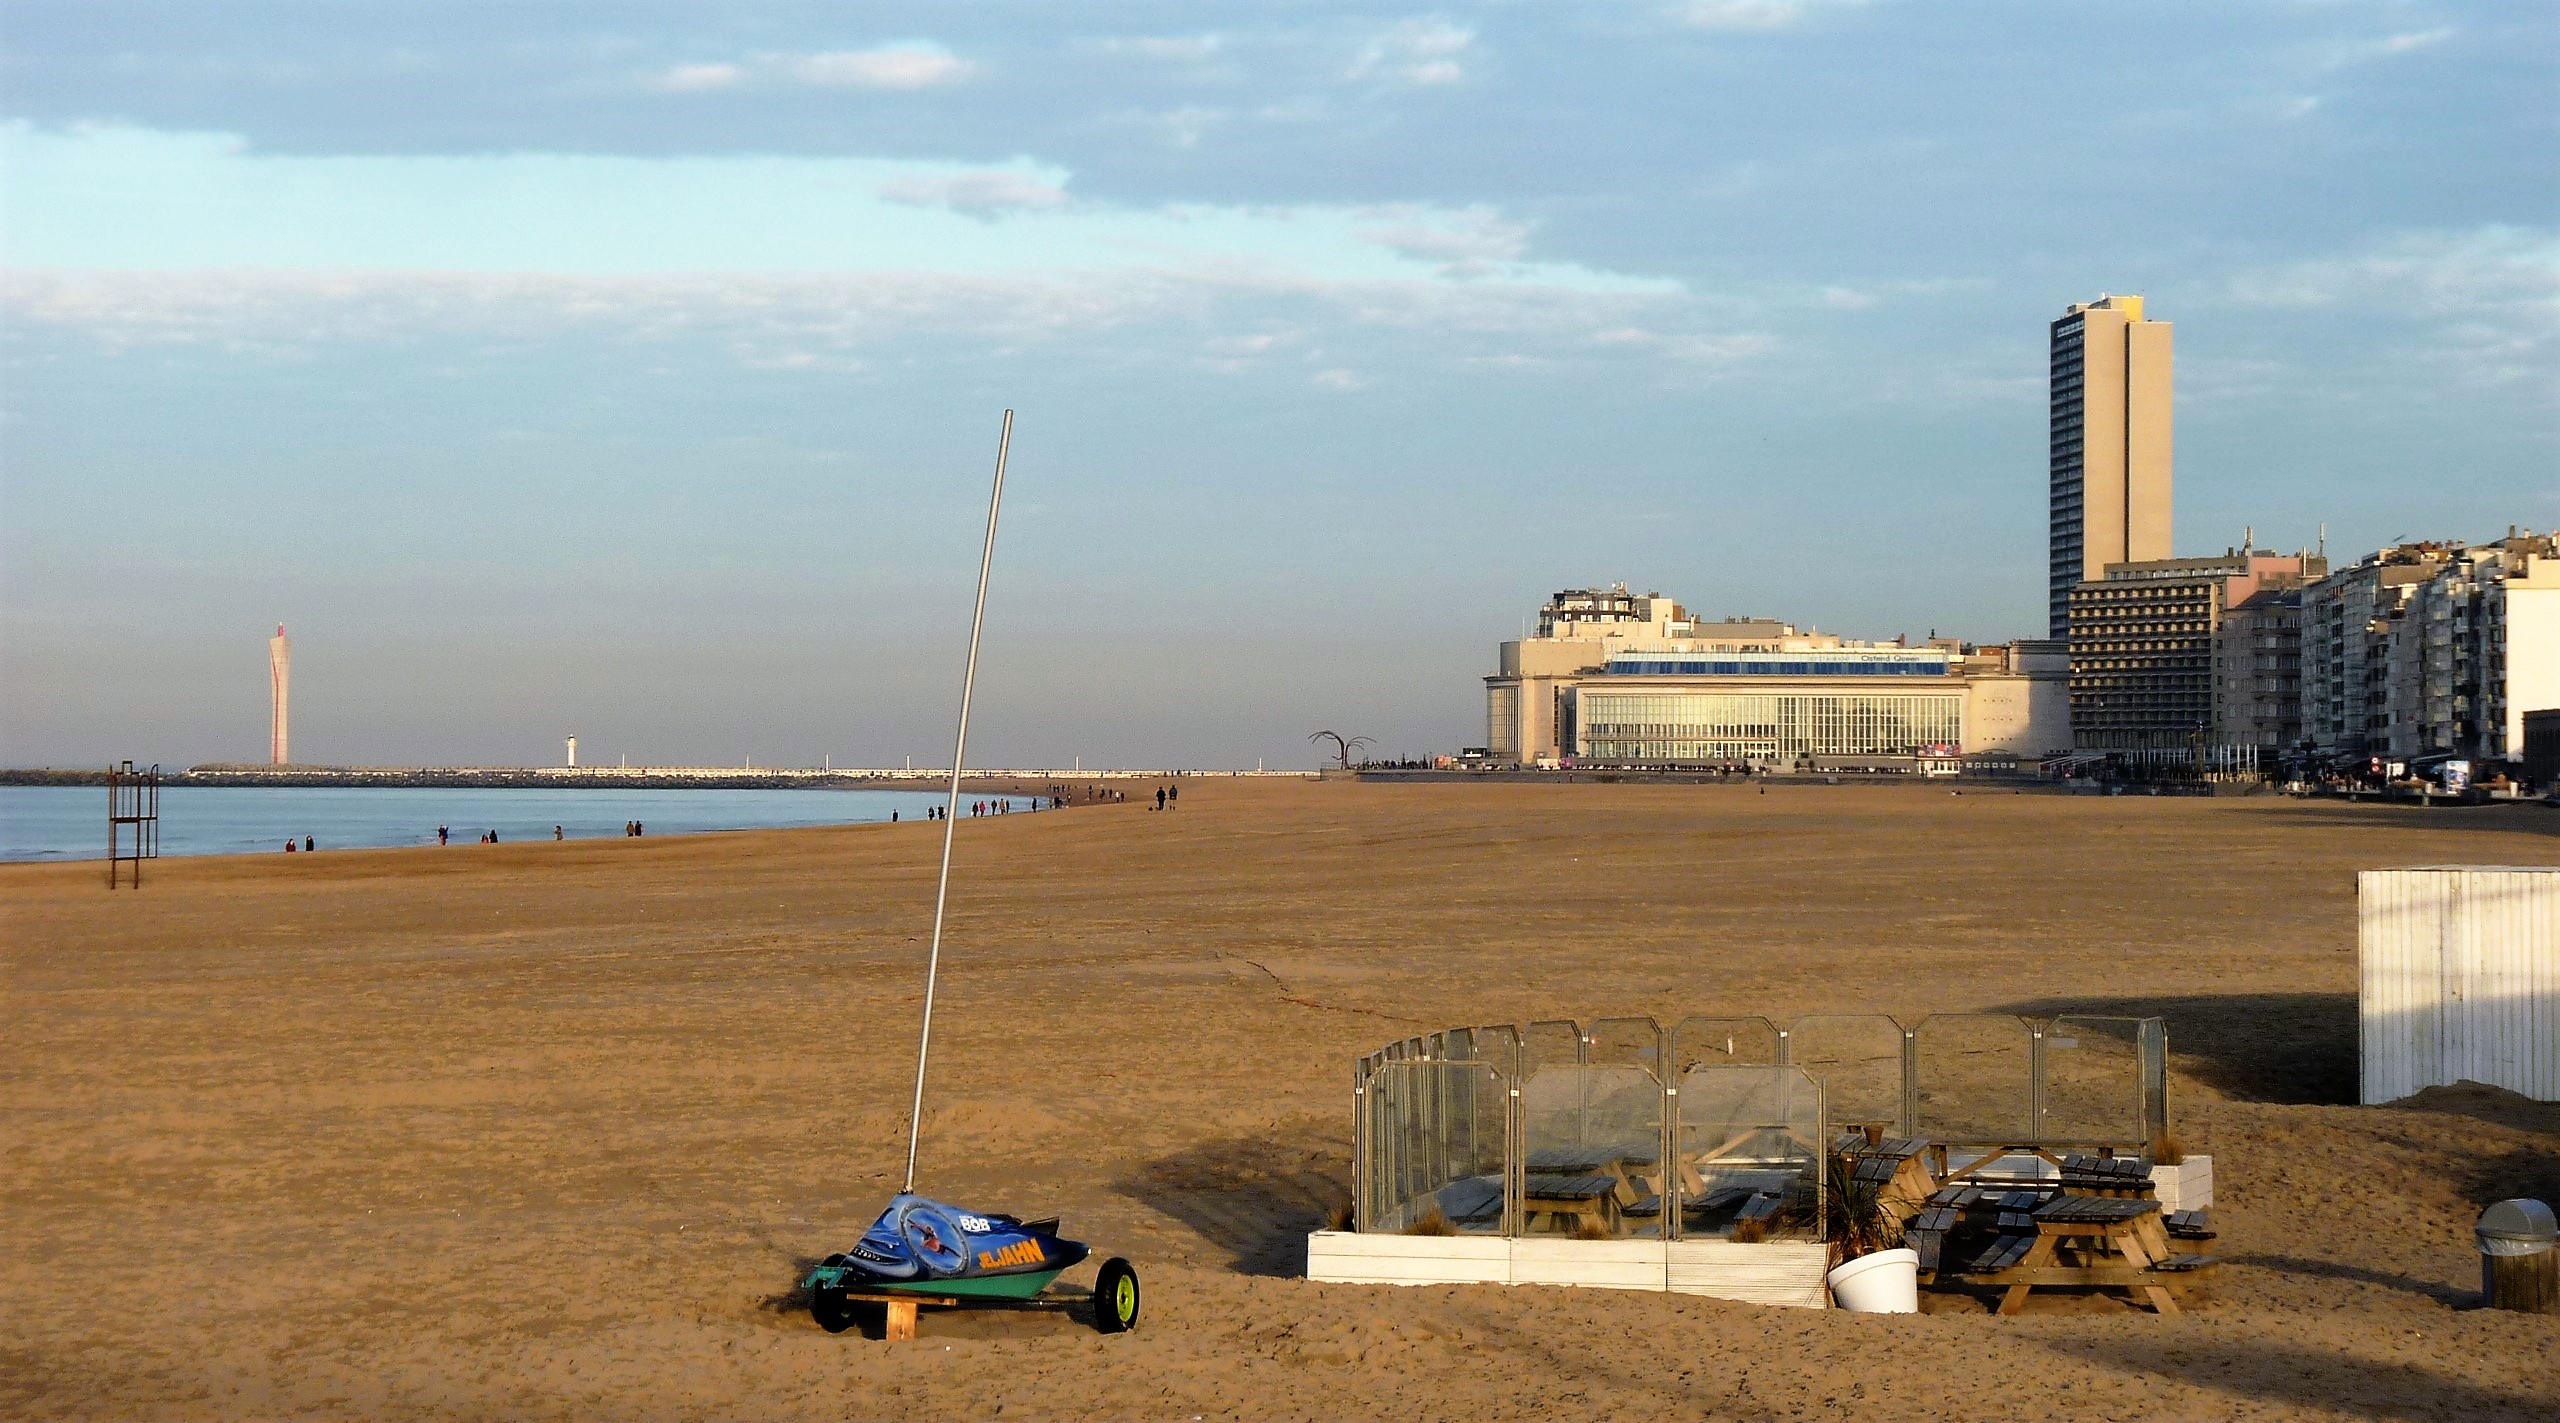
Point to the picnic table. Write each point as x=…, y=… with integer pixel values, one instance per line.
x=2106, y=1241
x=1567, y=1202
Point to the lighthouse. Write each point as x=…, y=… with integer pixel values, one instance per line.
x=280, y=674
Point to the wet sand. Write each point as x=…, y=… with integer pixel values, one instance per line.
x=548, y=1130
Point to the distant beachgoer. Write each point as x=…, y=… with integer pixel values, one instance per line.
x=493, y=837
x=556, y=833
x=306, y=842
x=288, y=847
x=639, y=827
x=444, y=834
x=893, y=817
x=1173, y=796
x=1159, y=797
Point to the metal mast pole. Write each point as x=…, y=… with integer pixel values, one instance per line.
x=951, y=810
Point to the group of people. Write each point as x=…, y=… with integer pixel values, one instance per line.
x=633, y=829
x=289, y=846
x=444, y=836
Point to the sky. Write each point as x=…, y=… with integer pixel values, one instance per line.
x=633, y=371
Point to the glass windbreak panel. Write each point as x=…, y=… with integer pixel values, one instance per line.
x=1554, y=1042
x=1972, y=1077
x=1433, y=1149
x=2155, y=1076
x=1858, y=1060
x=1591, y=1152
x=1749, y=1153
x=2093, y=1084
x=1624, y=1042
x=1723, y=1042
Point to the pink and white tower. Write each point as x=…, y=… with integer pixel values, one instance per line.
x=280, y=672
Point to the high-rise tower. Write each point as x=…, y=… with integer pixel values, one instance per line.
x=280, y=673
x=2110, y=412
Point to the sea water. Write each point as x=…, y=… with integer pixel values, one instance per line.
x=70, y=822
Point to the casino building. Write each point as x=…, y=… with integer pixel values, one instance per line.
x=1619, y=678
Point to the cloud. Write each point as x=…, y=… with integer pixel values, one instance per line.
x=1183, y=127
x=1235, y=317
x=896, y=66
x=982, y=195
x=2484, y=302
x=2347, y=54
x=1750, y=16
x=905, y=66
x=1420, y=52
x=700, y=78
x=1471, y=242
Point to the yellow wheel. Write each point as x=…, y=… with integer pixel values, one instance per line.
x=1115, y=1297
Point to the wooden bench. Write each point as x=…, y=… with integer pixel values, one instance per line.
x=1477, y=1200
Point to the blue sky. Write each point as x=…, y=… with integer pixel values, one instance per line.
x=633, y=370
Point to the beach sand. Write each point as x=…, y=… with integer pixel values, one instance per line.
x=549, y=1130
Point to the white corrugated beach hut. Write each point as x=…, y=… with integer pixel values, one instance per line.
x=2459, y=978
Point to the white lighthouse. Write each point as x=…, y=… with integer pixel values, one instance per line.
x=573, y=752
x=280, y=676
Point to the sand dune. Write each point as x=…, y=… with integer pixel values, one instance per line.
x=547, y=1130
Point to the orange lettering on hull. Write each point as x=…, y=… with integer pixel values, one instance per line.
x=1021, y=1252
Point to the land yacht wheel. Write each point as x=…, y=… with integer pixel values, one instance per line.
x=831, y=1309
x=1115, y=1297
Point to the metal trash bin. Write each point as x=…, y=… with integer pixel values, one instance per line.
x=2519, y=1266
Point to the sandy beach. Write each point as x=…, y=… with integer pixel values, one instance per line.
x=549, y=1130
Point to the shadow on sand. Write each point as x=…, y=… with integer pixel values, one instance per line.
x=2258, y=1047
x=1253, y=1197
x=2525, y=818
x=2268, y=1372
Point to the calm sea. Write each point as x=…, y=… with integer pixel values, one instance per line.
x=70, y=822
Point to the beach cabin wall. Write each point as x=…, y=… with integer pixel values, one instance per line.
x=2459, y=969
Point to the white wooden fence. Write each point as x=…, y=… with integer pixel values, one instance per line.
x=2460, y=978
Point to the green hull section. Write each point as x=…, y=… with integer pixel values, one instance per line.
x=1022, y=1286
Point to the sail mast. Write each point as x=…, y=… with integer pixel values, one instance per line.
x=950, y=814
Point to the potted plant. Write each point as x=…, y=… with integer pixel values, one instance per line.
x=1872, y=1272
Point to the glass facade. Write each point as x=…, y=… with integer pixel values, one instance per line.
x=1736, y=726
x=1502, y=721
x=1783, y=664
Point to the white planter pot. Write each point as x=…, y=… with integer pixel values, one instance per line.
x=1887, y=1282
x=2187, y=1186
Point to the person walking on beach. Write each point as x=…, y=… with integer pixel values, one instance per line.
x=444, y=834
x=1159, y=797
x=288, y=845
x=306, y=842
x=1173, y=796
x=556, y=834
